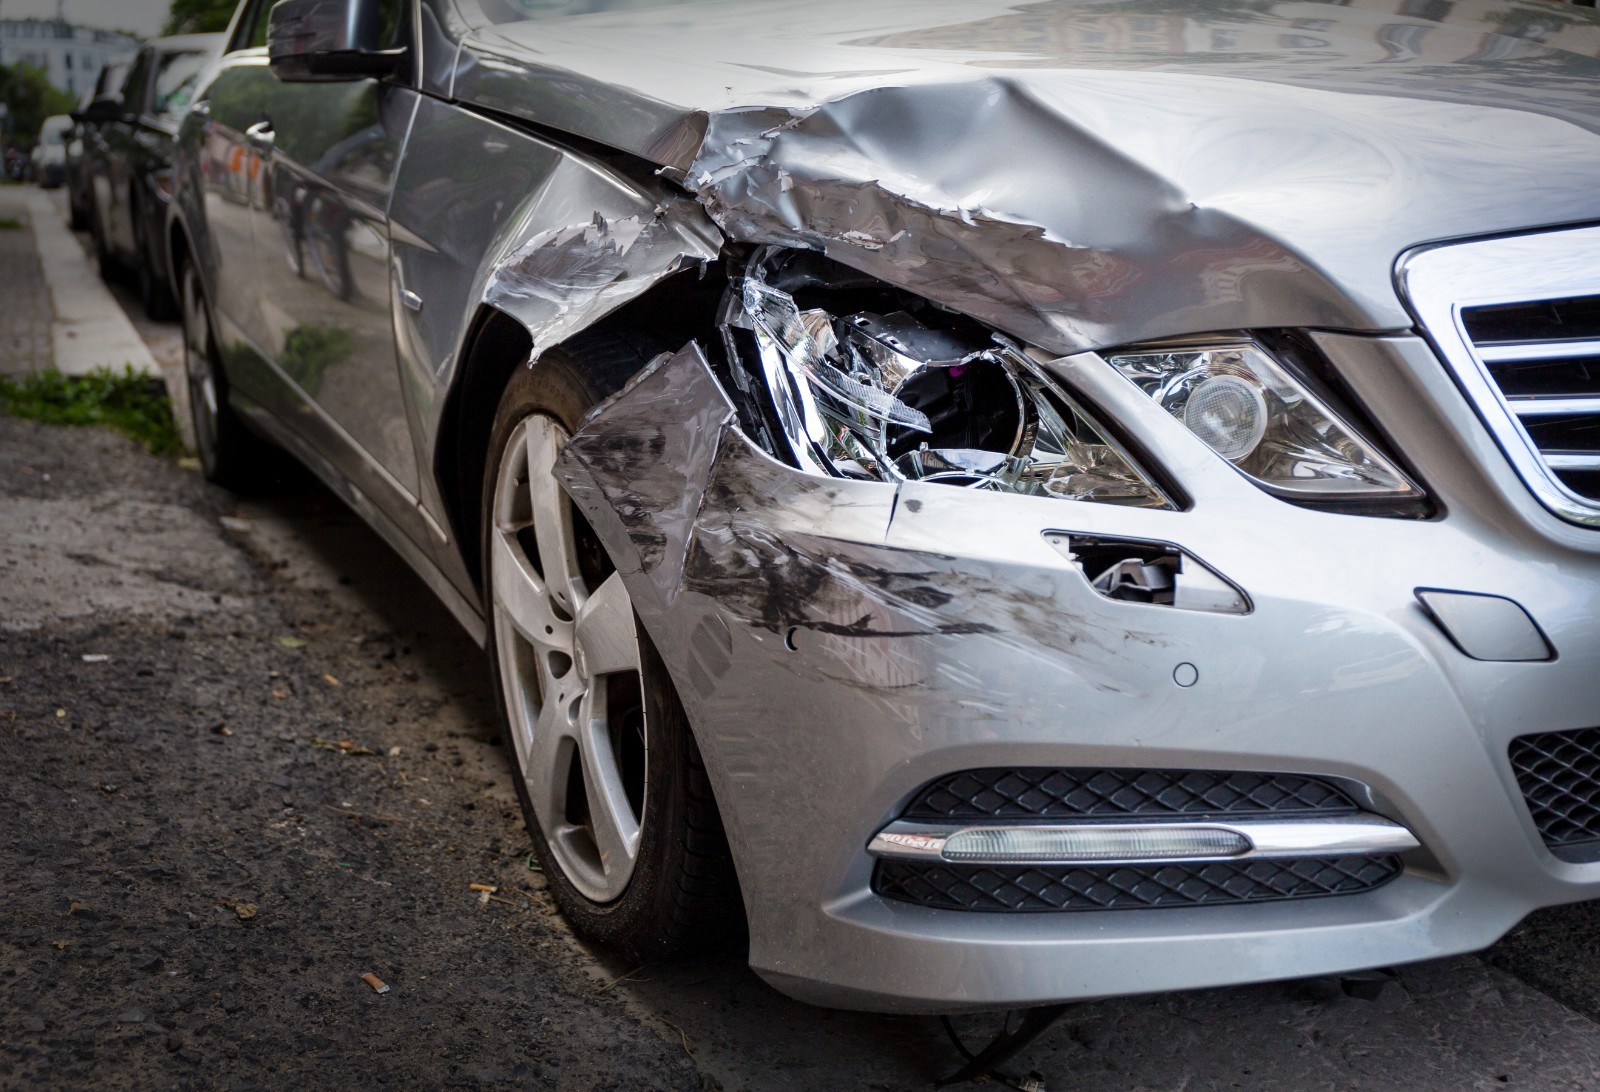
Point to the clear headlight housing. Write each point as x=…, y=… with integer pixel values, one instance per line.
x=1253, y=412
x=895, y=397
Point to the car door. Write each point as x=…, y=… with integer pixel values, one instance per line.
x=330, y=151
x=230, y=181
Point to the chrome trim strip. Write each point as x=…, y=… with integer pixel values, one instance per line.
x=1553, y=407
x=1356, y=835
x=1439, y=282
x=1515, y=352
x=1573, y=462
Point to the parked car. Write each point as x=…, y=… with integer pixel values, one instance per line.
x=47, y=165
x=127, y=160
x=107, y=93
x=1012, y=503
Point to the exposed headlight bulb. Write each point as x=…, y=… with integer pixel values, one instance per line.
x=1229, y=414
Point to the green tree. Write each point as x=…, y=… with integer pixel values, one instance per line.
x=30, y=99
x=199, y=16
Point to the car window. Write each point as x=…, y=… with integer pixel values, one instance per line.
x=251, y=33
x=133, y=88
x=175, y=82
x=111, y=80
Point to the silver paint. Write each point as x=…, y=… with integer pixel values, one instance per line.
x=1074, y=180
x=822, y=589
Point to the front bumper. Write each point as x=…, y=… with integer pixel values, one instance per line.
x=840, y=644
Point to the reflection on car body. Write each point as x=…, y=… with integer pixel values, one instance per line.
x=1007, y=503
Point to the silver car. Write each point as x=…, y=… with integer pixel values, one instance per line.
x=1006, y=502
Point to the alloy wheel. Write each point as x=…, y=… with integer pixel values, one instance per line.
x=569, y=661
x=197, y=368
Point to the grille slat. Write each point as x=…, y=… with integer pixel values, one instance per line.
x=1111, y=794
x=1046, y=889
x=1545, y=358
x=1559, y=774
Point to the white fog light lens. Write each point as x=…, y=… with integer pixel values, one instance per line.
x=1229, y=414
x=1045, y=845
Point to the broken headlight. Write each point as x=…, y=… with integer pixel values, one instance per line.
x=1254, y=413
x=882, y=394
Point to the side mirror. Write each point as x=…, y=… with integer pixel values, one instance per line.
x=325, y=40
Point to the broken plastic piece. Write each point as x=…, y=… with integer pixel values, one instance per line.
x=900, y=397
x=1159, y=573
x=1005, y=1046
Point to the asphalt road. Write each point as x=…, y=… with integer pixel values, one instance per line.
x=248, y=760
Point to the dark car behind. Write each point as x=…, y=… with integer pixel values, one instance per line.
x=127, y=159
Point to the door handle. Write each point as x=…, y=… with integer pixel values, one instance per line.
x=260, y=136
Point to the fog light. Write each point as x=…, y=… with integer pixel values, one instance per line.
x=1229, y=414
x=1046, y=845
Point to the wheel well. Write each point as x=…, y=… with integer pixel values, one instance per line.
x=679, y=309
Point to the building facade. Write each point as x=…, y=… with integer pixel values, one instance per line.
x=70, y=55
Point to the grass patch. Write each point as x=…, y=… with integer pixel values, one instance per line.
x=132, y=404
x=10, y=223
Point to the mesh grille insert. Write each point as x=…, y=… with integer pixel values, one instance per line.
x=1559, y=773
x=1039, y=889
x=1054, y=793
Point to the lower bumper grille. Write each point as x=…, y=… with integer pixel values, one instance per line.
x=1559, y=773
x=1036, y=889
x=1120, y=794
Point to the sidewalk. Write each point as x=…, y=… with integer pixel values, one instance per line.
x=26, y=315
x=56, y=311
x=88, y=329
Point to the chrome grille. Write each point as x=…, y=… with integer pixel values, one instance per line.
x=1518, y=322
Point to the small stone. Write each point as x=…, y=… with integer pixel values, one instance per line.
x=148, y=962
x=133, y=1014
x=230, y=1004
x=32, y=1023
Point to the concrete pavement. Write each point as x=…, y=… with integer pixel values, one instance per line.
x=88, y=330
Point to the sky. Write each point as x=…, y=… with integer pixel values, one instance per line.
x=143, y=17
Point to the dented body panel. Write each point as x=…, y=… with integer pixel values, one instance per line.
x=1123, y=173
x=916, y=629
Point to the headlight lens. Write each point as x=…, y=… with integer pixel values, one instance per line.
x=890, y=398
x=1251, y=411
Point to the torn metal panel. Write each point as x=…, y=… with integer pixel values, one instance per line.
x=566, y=277
x=641, y=462
x=688, y=505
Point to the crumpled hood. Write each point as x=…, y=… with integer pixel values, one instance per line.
x=1088, y=174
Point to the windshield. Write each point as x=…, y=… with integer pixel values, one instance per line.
x=175, y=82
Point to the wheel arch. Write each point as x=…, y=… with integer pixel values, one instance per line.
x=680, y=308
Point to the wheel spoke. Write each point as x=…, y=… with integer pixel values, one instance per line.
x=545, y=765
x=606, y=630
x=521, y=595
x=615, y=827
x=552, y=519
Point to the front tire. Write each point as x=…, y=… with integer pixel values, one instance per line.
x=612, y=786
